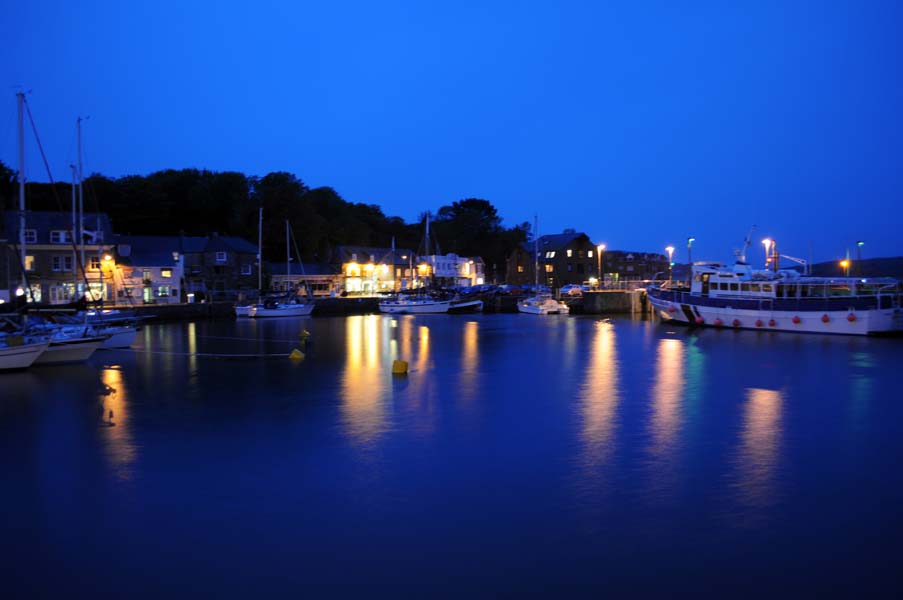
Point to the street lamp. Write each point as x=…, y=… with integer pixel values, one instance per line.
x=845, y=265
x=690, y=241
x=767, y=243
x=599, y=250
x=859, y=246
x=670, y=251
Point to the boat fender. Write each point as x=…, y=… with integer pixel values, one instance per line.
x=717, y=322
x=772, y=323
x=296, y=354
x=700, y=320
x=399, y=367
x=825, y=318
x=736, y=322
x=759, y=323
x=796, y=320
x=671, y=308
x=851, y=317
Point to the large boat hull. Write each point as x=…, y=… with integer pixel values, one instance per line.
x=281, y=310
x=466, y=306
x=68, y=351
x=844, y=321
x=20, y=357
x=405, y=307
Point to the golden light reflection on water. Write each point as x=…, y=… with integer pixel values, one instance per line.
x=192, y=347
x=600, y=396
x=363, y=387
x=467, y=382
x=667, y=395
x=120, y=447
x=759, y=446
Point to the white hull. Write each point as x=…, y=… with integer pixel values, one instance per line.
x=20, y=357
x=414, y=306
x=542, y=305
x=281, y=310
x=121, y=336
x=467, y=306
x=66, y=351
x=243, y=311
x=844, y=322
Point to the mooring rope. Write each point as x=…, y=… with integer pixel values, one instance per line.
x=204, y=354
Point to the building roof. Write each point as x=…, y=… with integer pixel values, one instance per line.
x=554, y=241
x=147, y=250
x=300, y=270
x=223, y=243
x=43, y=222
x=380, y=255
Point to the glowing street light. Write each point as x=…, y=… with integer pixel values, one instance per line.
x=859, y=246
x=599, y=250
x=670, y=251
x=845, y=265
x=690, y=241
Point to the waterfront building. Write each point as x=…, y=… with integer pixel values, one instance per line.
x=53, y=256
x=221, y=267
x=451, y=270
x=620, y=266
x=564, y=258
x=367, y=270
x=320, y=280
x=148, y=269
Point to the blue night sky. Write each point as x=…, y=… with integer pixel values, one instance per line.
x=640, y=123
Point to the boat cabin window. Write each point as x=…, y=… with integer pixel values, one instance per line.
x=767, y=288
x=755, y=287
x=734, y=287
x=744, y=287
x=840, y=290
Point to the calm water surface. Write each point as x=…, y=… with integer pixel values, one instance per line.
x=521, y=455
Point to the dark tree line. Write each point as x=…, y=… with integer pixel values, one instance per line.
x=200, y=202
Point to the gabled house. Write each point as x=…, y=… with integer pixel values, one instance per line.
x=568, y=257
x=53, y=256
x=452, y=270
x=621, y=265
x=219, y=266
x=149, y=268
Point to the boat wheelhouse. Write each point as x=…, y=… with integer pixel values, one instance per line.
x=783, y=300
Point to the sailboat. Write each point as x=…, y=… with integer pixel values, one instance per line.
x=540, y=303
x=292, y=306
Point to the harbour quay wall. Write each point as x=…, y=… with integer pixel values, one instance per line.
x=604, y=302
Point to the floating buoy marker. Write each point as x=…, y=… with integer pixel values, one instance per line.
x=399, y=367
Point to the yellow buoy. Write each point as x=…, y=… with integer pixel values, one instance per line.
x=296, y=354
x=399, y=367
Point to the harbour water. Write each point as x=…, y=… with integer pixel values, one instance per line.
x=521, y=455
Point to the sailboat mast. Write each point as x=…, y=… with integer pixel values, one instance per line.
x=288, y=259
x=81, y=195
x=536, y=250
x=260, y=253
x=20, y=101
x=73, y=229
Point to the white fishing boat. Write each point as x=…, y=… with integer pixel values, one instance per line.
x=465, y=306
x=741, y=297
x=540, y=303
x=17, y=352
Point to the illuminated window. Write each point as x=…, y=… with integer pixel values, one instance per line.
x=520, y=268
x=166, y=273
x=549, y=269
x=245, y=269
x=146, y=275
x=553, y=254
x=570, y=252
x=29, y=263
x=220, y=257
x=589, y=254
x=31, y=236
